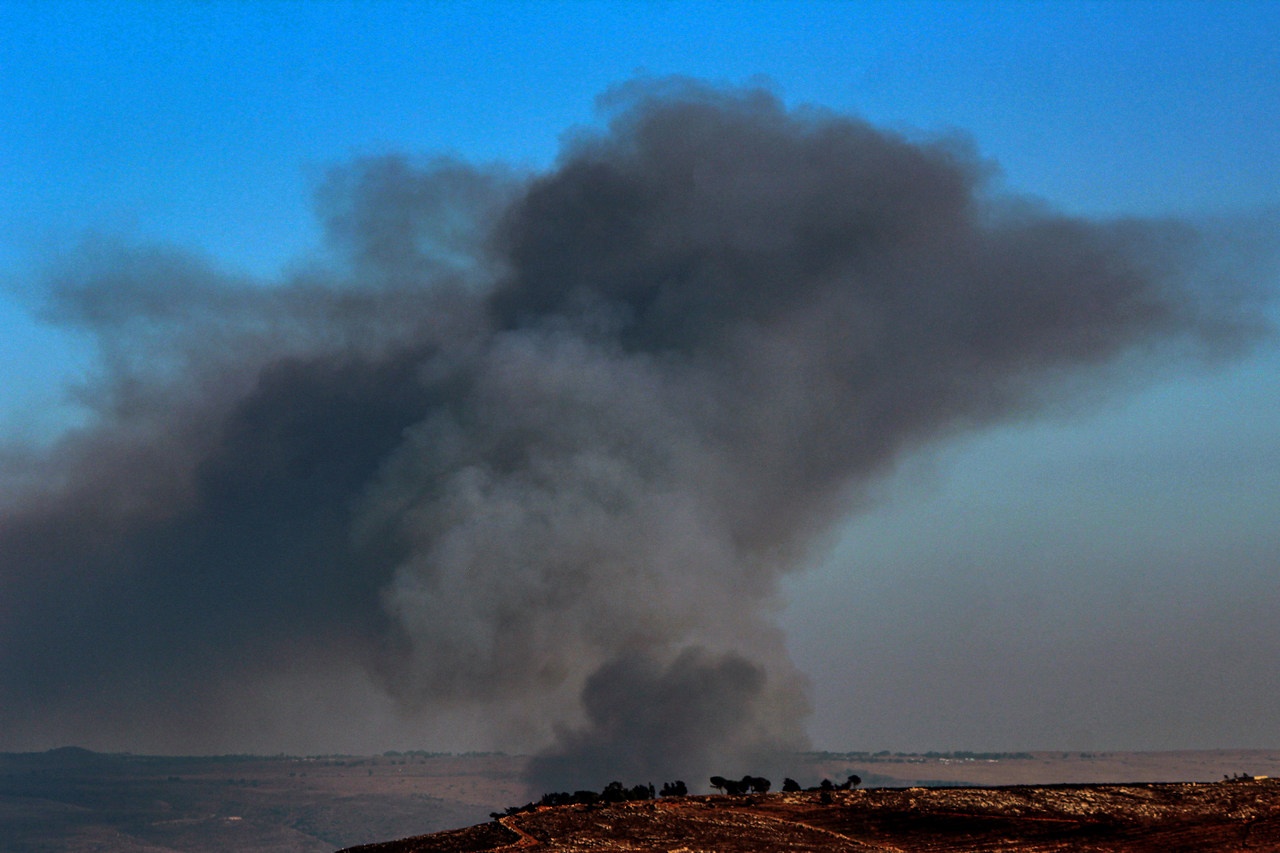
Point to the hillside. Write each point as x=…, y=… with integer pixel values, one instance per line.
x=77, y=801
x=1228, y=815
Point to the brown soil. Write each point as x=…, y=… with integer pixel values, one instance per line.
x=1229, y=815
x=75, y=801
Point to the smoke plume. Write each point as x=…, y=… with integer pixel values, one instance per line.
x=541, y=446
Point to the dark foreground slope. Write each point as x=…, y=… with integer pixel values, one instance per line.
x=1235, y=815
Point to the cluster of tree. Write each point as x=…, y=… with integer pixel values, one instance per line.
x=826, y=785
x=614, y=792
x=760, y=785
x=745, y=785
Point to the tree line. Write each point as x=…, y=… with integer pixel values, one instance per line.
x=616, y=792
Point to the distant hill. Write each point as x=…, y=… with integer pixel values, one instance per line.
x=1138, y=818
x=75, y=801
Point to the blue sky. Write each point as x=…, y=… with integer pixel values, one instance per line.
x=1101, y=578
x=208, y=125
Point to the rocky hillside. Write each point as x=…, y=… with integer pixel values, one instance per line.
x=1228, y=815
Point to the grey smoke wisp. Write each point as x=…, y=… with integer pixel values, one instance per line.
x=543, y=445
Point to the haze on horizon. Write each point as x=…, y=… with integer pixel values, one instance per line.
x=875, y=405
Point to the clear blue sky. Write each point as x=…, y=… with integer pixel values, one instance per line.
x=1105, y=578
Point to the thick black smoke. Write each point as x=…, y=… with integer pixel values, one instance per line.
x=543, y=446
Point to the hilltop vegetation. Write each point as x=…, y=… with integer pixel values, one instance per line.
x=75, y=801
x=1149, y=818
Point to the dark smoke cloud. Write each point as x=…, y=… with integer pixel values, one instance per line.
x=696, y=713
x=543, y=445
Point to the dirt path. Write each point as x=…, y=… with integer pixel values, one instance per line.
x=525, y=840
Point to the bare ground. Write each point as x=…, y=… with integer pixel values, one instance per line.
x=75, y=801
x=1235, y=815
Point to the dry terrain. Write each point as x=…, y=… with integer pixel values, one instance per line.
x=73, y=800
x=1139, y=818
